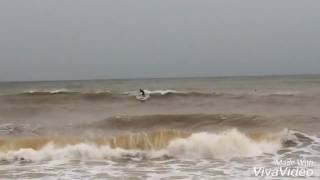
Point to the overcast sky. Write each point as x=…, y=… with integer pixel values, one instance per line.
x=90, y=39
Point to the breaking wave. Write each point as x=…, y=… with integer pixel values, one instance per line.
x=44, y=92
x=71, y=95
x=161, y=144
x=61, y=92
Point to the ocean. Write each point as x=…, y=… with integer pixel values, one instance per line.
x=189, y=128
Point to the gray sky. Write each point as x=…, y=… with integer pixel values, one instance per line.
x=89, y=39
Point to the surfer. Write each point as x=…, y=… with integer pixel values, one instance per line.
x=142, y=93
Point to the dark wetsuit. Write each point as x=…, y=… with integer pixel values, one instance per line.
x=142, y=92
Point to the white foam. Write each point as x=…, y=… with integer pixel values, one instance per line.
x=161, y=92
x=228, y=144
x=164, y=92
x=287, y=93
x=56, y=91
x=53, y=91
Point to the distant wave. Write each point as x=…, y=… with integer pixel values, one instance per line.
x=154, y=92
x=173, y=93
x=66, y=95
x=72, y=92
x=280, y=93
x=59, y=92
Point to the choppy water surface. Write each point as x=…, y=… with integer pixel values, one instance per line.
x=198, y=128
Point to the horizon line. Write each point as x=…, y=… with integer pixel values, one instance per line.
x=177, y=77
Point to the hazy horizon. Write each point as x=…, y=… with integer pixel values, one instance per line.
x=181, y=77
x=82, y=40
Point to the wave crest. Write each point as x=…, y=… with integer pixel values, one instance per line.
x=72, y=95
x=163, y=144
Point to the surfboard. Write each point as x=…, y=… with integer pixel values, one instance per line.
x=142, y=98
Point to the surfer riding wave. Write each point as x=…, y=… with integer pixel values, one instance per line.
x=142, y=92
x=142, y=96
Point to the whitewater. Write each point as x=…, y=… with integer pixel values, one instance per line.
x=191, y=128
